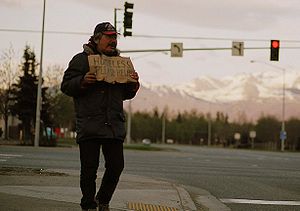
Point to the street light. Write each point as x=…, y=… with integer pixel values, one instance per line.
x=39, y=88
x=282, y=132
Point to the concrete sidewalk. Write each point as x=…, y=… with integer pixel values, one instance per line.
x=60, y=191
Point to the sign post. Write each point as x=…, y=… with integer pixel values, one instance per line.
x=252, y=135
x=237, y=137
x=283, y=136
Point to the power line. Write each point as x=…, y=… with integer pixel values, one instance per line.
x=207, y=38
x=154, y=36
x=149, y=36
x=48, y=32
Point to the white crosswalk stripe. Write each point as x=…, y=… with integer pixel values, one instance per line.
x=257, y=201
x=10, y=155
x=5, y=157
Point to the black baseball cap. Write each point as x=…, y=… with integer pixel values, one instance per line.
x=105, y=28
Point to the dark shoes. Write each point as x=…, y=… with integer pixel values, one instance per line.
x=103, y=207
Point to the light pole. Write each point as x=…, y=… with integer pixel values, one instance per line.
x=282, y=132
x=39, y=88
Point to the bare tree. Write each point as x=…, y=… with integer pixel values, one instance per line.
x=61, y=107
x=8, y=75
x=52, y=78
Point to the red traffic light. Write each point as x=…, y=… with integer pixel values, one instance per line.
x=275, y=44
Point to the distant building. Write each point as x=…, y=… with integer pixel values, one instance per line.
x=13, y=127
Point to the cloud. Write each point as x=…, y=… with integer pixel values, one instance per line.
x=229, y=14
x=10, y=3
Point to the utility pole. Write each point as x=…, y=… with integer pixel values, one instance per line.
x=39, y=88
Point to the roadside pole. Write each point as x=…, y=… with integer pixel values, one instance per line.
x=39, y=88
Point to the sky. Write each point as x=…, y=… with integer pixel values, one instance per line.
x=195, y=23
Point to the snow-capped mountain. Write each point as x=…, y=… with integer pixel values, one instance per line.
x=243, y=96
x=256, y=87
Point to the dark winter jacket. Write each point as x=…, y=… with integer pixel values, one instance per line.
x=99, y=107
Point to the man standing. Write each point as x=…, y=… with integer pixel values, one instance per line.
x=100, y=121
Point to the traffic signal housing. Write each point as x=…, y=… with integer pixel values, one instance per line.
x=275, y=44
x=127, y=22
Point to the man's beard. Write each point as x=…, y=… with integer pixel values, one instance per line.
x=110, y=53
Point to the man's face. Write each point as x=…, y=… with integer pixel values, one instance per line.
x=107, y=44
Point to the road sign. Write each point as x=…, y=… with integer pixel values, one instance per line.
x=283, y=135
x=237, y=136
x=237, y=48
x=252, y=134
x=176, y=49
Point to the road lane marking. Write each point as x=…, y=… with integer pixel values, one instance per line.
x=10, y=155
x=4, y=157
x=257, y=201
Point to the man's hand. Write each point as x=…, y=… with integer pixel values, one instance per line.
x=134, y=76
x=88, y=79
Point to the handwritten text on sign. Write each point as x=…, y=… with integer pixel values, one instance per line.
x=111, y=69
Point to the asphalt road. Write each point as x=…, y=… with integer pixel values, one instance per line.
x=242, y=179
x=228, y=174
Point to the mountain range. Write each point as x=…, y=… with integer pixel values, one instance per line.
x=243, y=97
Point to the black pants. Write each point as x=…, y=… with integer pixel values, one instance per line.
x=114, y=164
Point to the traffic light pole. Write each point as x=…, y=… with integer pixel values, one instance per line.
x=282, y=132
x=116, y=18
x=187, y=49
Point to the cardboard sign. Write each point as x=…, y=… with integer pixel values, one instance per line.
x=111, y=69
